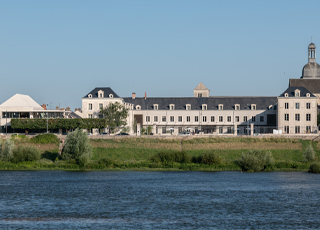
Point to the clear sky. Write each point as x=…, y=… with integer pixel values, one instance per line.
x=57, y=51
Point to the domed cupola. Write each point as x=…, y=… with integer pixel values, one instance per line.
x=312, y=69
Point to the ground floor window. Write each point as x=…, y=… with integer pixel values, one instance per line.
x=308, y=129
x=297, y=129
x=180, y=129
x=163, y=130
x=229, y=129
x=286, y=129
x=220, y=129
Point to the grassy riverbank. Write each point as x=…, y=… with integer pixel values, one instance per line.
x=137, y=154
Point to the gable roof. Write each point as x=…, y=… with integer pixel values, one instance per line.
x=21, y=101
x=107, y=91
x=303, y=92
x=201, y=87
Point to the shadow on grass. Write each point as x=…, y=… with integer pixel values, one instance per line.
x=51, y=155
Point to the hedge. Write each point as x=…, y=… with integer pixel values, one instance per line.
x=59, y=123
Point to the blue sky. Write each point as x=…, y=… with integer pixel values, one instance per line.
x=58, y=51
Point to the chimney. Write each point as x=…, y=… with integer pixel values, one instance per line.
x=57, y=108
x=145, y=95
x=133, y=95
x=44, y=106
x=68, y=108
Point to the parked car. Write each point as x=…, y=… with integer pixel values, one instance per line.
x=185, y=133
x=122, y=134
x=89, y=134
x=104, y=133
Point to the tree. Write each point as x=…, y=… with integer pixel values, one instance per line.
x=115, y=114
x=7, y=150
x=77, y=147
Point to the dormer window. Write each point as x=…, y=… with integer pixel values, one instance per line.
x=297, y=93
x=138, y=107
x=188, y=107
x=236, y=107
x=155, y=106
x=171, y=106
x=89, y=95
x=286, y=95
x=220, y=106
x=253, y=107
x=308, y=95
x=110, y=95
x=100, y=94
x=204, y=106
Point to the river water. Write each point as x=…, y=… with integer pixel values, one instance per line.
x=158, y=200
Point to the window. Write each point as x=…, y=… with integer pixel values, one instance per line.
x=89, y=95
x=229, y=118
x=308, y=94
x=188, y=118
x=253, y=118
x=188, y=107
x=308, y=105
x=297, y=117
x=237, y=118
x=89, y=115
x=253, y=107
x=138, y=107
x=297, y=94
x=297, y=129
x=100, y=115
x=220, y=118
x=204, y=118
x=220, y=107
x=100, y=105
x=204, y=107
x=212, y=118
x=163, y=130
x=111, y=95
x=180, y=119
x=286, y=105
x=237, y=107
x=164, y=118
x=286, y=117
x=100, y=94
x=245, y=118
x=155, y=118
x=90, y=107
x=286, y=95
x=297, y=105
x=171, y=106
x=147, y=118
x=196, y=118
x=228, y=129
x=155, y=107
x=180, y=129
x=171, y=118
x=199, y=94
x=245, y=130
x=261, y=118
x=308, y=129
x=308, y=117
x=220, y=129
x=286, y=129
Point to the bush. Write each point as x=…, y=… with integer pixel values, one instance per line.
x=256, y=160
x=77, y=147
x=106, y=161
x=210, y=158
x=28, y=153
x=47, y=138
x=314, y=167
x=7, y=150
x=309, y=154
x=176, y=156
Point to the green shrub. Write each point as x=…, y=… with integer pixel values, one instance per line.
x=77, y=147
x=47, y=138
x=175, y=156
x=314, y=167
x=106, y=161
x=210, y=158
x=7, y=150
x=309, y=154
x=28, y=153
x=256, y=160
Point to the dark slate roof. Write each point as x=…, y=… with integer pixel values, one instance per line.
x=303, y=92
x=313, y=85
x=107, y=92
x=196, y=102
